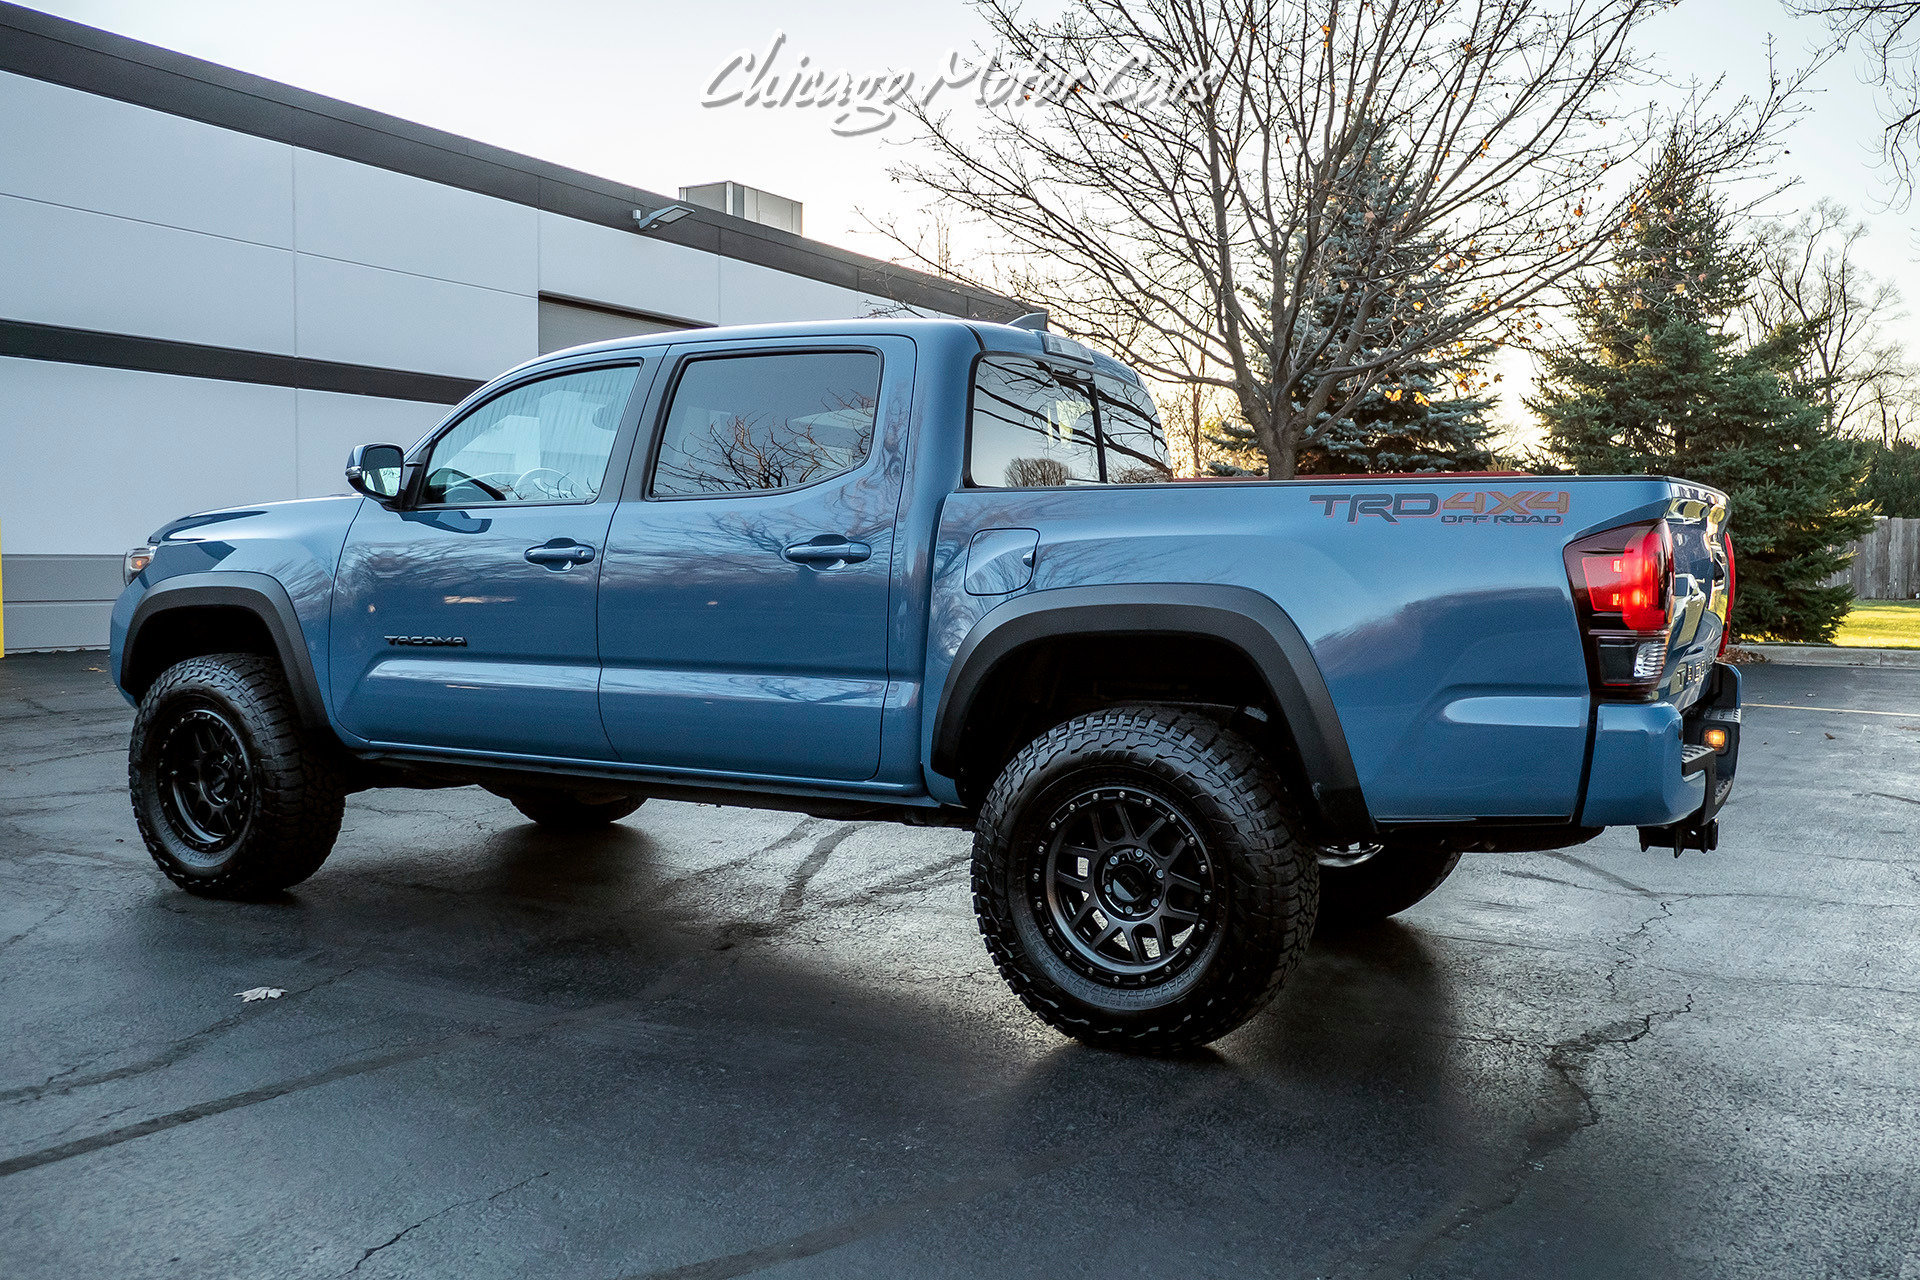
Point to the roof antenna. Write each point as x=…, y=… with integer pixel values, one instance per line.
x=1034, y=320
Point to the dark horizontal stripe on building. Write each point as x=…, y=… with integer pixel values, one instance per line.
x=227, y=364
x=43, y=47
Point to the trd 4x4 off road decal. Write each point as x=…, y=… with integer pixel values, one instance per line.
x=1486, y=506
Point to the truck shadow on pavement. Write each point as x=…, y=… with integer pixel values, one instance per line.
x=612, y=1015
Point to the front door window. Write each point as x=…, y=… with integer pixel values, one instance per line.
x=547, y=441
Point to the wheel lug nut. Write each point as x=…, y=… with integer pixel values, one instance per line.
x=1159, y=875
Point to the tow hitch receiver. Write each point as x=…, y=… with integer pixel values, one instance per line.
x=1690, y=834
x=1713, y=748
x=1699, y=829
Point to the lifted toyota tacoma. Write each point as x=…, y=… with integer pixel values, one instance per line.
x=938, y=572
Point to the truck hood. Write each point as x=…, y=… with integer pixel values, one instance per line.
x=321, y=513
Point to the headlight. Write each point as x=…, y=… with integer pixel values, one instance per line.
x=137, y=559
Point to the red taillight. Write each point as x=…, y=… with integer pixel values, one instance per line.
x=1622, y=582
x=1634, y=581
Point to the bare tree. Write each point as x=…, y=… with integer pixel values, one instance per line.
x=1889, y=408
x=1806, y=275
x=1037, y=473
x=1190, y=401
x=1888, y=33
x=1222, y=222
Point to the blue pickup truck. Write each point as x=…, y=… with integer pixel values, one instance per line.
x=939, y=572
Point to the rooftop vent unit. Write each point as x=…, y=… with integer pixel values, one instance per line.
x=750, y=203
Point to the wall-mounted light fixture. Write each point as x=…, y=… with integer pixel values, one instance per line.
x=666, y=214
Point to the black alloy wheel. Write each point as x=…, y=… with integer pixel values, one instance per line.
x=206, y=780
x=1127, y=893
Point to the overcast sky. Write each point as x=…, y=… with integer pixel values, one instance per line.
x=614, y=87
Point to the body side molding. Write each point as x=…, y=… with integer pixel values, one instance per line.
x=1238, y=616
x=257, y=593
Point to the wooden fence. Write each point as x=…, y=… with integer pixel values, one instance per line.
x=1886, y=563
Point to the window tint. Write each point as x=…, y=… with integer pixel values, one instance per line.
x=742, y=424
x=547, y=441
x=1130, y=433
x=1031, y=427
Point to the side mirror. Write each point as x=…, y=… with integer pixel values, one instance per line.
x=374, y=469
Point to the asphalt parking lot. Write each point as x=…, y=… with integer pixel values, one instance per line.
x=719, y=1042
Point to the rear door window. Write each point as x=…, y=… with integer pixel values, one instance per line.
x=767, y=421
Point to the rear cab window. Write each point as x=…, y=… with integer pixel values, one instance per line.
x=1036, y=425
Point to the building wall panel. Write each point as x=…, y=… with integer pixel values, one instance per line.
x=369, y=315
x=751, y=294
x=58, y=602
x=96, y=271
x=358, y=213
x=93, y=460
x=330, y=424
x=622, y=269
x=63, y=146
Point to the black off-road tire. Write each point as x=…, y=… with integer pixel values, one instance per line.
x=284, y=790
x=573, y=810
x=1220, y=819
x=1384, y=885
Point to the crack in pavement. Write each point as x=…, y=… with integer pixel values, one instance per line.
x=804, y=909
x=795, y=893
x=400, y=1235
x=904, y=882
x=72, y=897
x=1570, y=1109
x=793, y=896
x=1561, y=855
x=59, y=1083
x=901, y=1212
x=676, y=976
x=1568, y=1106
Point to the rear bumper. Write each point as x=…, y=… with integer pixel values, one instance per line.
x=1647, y=770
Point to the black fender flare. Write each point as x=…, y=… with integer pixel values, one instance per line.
x=258, y=594
x=1238, y=616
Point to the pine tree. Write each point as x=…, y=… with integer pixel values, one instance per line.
x=1427, y=414
x=1660, y=384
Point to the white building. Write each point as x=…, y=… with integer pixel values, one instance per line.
x=212, y=285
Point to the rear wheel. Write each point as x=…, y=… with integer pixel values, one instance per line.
x=232, y=794
x=574, y=810
x=1140, y=881
x=1363, y=884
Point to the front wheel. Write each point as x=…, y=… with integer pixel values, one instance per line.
x=232, y=794
x=1140, y=879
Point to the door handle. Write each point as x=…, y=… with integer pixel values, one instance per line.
x=828, y=550
x=560, y=554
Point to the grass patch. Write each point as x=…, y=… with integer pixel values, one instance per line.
x=1881, y=624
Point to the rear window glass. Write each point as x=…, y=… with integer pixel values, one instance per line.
x=1032, y=428
x=1036, y=426
x=1136, y=448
